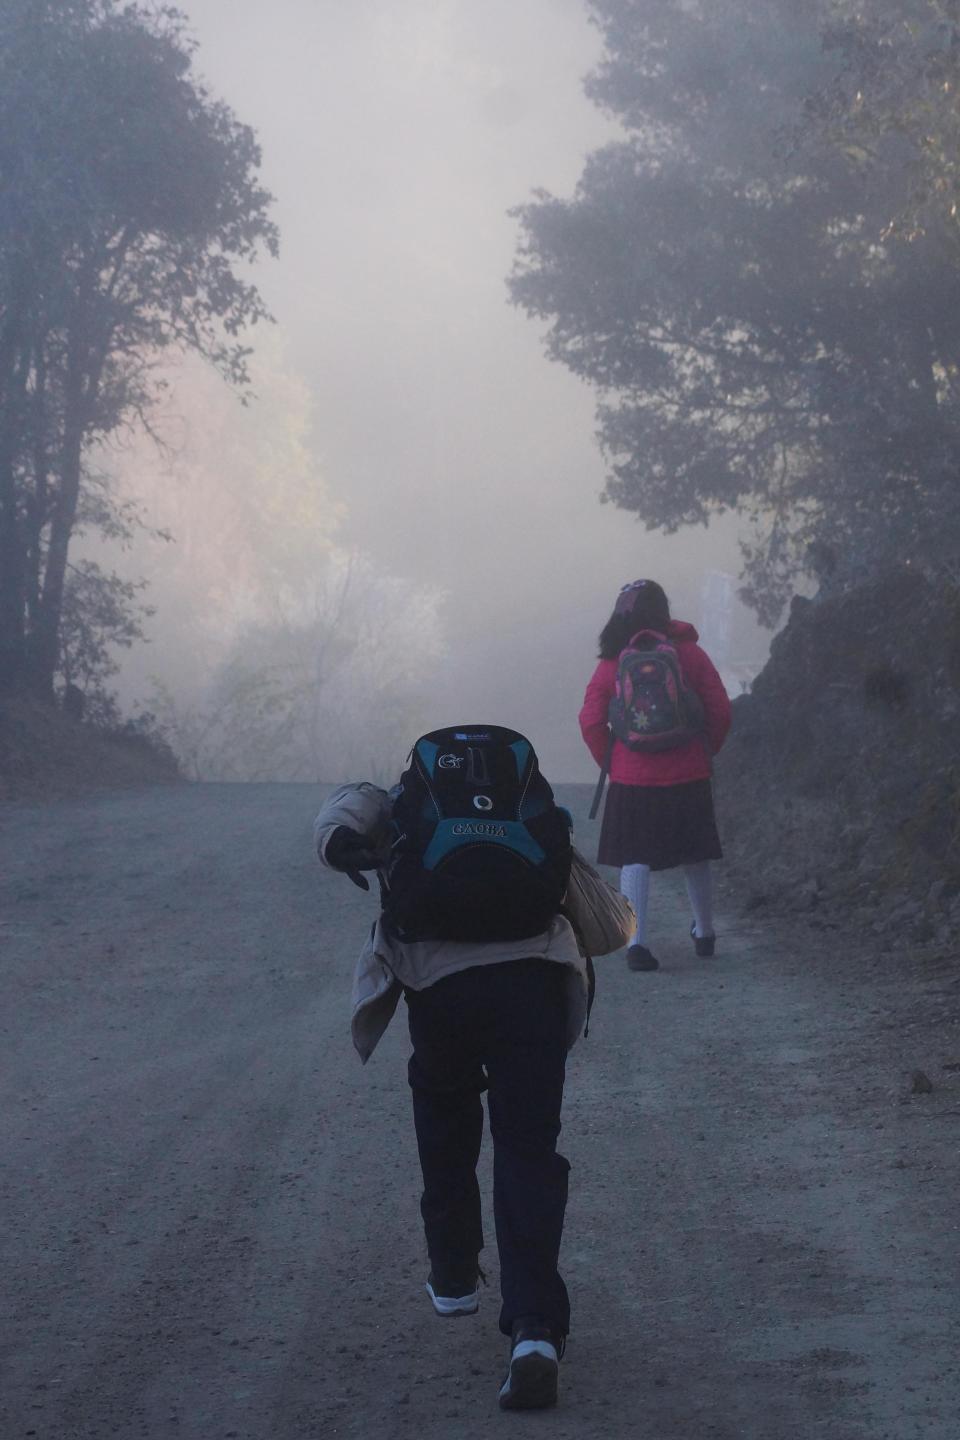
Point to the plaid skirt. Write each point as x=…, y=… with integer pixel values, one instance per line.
x=659, y=825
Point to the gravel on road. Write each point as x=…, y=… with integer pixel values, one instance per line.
x=210, y=1221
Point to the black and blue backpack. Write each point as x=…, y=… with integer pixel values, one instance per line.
x=481, y=851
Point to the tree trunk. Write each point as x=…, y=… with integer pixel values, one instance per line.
x=86, y=355
x=12, y=637
x=12, y=652
x=38, y=499
x=44, y=644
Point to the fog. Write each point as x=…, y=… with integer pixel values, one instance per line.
x=404, y=412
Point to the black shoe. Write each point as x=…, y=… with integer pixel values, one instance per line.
x=703, y=944
x=640, y=958
x=534, y=1375
x=455, y=1289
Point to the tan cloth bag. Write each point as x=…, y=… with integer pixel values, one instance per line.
x=602, y=918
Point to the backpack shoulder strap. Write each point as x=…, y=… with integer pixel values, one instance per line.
x=656, y=635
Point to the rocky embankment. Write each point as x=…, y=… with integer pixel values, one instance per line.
x=839, y=789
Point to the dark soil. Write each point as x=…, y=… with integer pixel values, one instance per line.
x=46, y=755
x=839, y=788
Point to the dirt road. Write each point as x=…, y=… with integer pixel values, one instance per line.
x=209, y=1208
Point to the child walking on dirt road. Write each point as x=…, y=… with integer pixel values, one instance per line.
x=654, y=714
x=473, y=857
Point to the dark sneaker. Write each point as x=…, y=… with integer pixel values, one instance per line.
x=533, y=1378
x=640, y=958
x=704, y=945
x=455, y=1290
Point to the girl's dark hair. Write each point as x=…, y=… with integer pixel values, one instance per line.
x=642, y=606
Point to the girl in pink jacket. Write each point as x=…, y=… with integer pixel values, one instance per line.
x=659, y=807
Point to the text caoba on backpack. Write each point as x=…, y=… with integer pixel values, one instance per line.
x=481, y=849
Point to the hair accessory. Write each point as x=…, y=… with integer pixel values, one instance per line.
x=627, y=596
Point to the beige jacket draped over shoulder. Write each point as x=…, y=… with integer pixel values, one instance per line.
x=386, y=966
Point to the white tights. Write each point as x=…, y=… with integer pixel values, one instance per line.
x=635, y=884
x=700, y=890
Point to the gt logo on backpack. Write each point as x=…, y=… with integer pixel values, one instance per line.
x=653, y=707
x=481, y=849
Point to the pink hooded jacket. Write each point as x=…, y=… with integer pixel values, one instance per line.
x=666, y=767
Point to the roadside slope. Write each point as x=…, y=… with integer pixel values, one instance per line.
x=841, y=767
x=45, y=755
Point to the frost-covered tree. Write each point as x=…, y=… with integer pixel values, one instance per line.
x=333, y=685
x=305, y=660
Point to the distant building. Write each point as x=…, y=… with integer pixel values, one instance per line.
x=717, y=597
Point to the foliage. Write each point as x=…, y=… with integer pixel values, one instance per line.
x=333, y=683
x=101, y=613
x=128, y=198
x=305, y=661
x=892, y=107
x=726, y=277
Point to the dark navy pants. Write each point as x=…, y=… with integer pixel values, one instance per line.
x=499, y=1028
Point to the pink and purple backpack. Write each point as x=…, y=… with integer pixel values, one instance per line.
x=653, y=707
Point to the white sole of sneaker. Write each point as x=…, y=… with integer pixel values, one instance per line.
x=533, y=1378
x=450, y=1305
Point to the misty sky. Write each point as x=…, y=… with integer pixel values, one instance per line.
x=395, y=137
